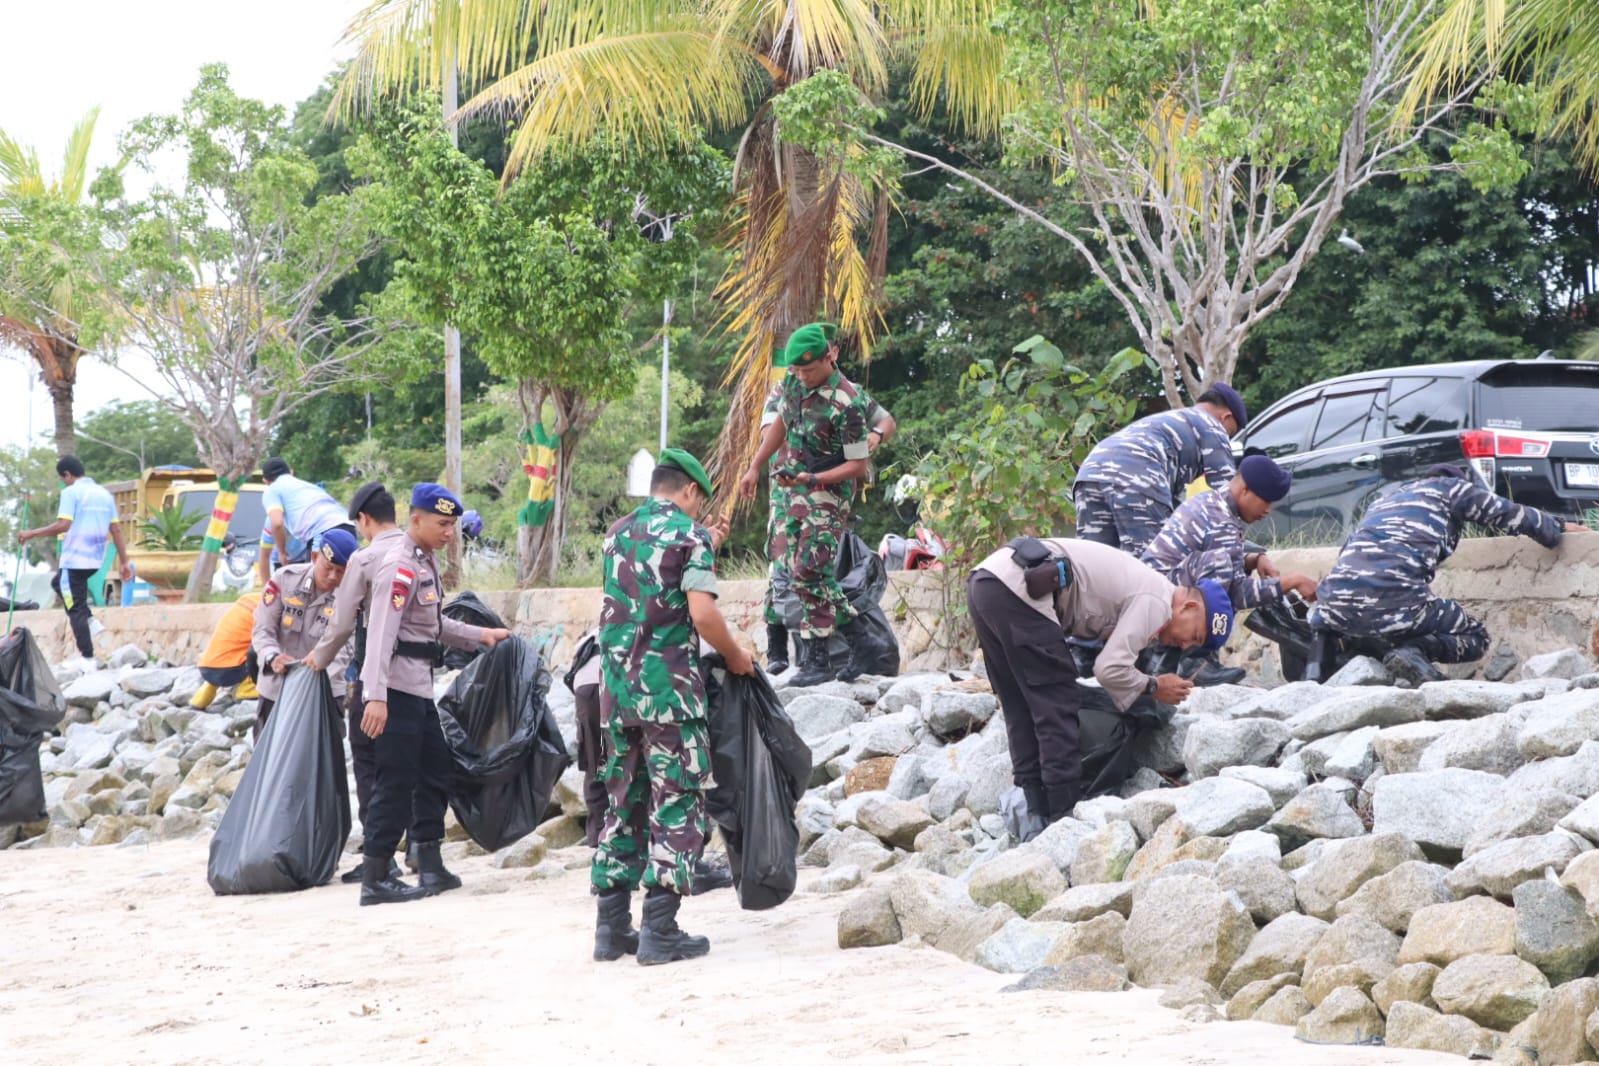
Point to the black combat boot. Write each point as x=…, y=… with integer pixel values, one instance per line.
x=815, y=665
x=856, y=667
x=1411, y=664
x=1204, y=669
x=353, y=875
x=614, y=935
x=660, y=940
x=776, y=648
x=1059, y=801
x=710, y=876
x=432, y=875
x=379, y=885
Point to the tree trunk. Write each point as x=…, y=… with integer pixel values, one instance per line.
x=539, y=547
x=221, y=517
x=61, y=401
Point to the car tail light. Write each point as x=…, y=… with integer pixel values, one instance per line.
x=1478, y=447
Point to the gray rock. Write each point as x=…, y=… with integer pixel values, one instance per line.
x=1438, y=809
x=1342, y=870
x=1249, y=999
x=1265, y=889
x=965, y=937
x=1582, y=819
x=1582, y=874
x=1212, y=744
x=1319, y=812
x=990, y=779
x=1102, y=810
x=127, y=656
x=1360, y=671
x=1496, y=991
x=1347, y=1016
x=1143, y=779
x=1487, y=744
x=1089, y=973
x=950, y=713
x=1148, y=811
x=1498, y=869
x=1280, y=785
x=524, y=854
x=1577, y=775
x=947, y=795
x=1445, y=932
x=1023, y=880
x=868, y=919
x=1559, y=725
x=1363, y=951
x=1471, y=699
x=816, y=716
x=1500, y=663
x=889, y=734
x=1221, y=806
x=1100, y=936
x=907, y=692
x=1565, y=663
x=1286, y=1007
x=1281, y=947
x=1285, y=701
x=1356, y=708
x=1185, y=928
x=87, y=748
x=914, y=775
x=1564, y=1016
x=814, y=816
x=835, y=879
x=1104, y=856
x=1411, y=1025
x=1061, y=841
x=1018, y=947
x=1520, y=814
x=1221, y=701
x=1410, y=983
x=1399, y=748
x=1253, y=844
x=1083, y=903
x=1354, y=757
x=150, y=682
x=928, y=905
x=1554, y=931
x=1161, y=750
x=1391, y=899
x=895, y=822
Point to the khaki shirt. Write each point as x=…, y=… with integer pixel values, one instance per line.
x=407, y=604
x=355, y=592
x=1113, y=597
x=290, y=619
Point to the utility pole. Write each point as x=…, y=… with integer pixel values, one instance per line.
x=452, y=368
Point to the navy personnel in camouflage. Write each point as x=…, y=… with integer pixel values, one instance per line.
x=1204, y=538
x=1133, y=479
x=405, y=638
x=1380, y=585
x=659, y=599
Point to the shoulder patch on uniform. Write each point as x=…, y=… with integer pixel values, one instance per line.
x=269, y=594
x=402, y=587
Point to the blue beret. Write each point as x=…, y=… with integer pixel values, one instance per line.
x=1233, y=401
x=435, y=499
x=336, y=546
x=1265, y=478
x=1218, y=613
x=471, y=523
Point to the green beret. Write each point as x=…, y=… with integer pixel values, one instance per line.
x=807, y=344
x=677, y=457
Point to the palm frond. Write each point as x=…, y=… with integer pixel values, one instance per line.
x=956, y=59
x=804, y=36
x=20, y=173
x=75, y=164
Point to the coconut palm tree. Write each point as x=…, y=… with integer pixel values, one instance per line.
x=653, y=73
x=45, y=300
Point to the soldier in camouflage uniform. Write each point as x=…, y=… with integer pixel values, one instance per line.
x=1133, y=479
x=1379, y=587
x=822, y=424
x=883, y=427
x=659, y=599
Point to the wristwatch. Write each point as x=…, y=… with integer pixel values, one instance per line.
x=812, y=480
x=1150, y=685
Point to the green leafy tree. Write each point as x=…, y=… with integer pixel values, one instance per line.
x=30, y=490
x=125, y=437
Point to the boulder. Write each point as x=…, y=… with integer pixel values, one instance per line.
x=1391, y=899
x=868, y=919
x=836, y=879
x=1212, y=744
x=1082, y=903
x=1487, y=744
x=870, y=775
x=1061, y=841
x=1024, y=880
x=956, y=713
x=1355, y=942
x=1563, y=1023
x=1445, y=932
x=90, y=690
x=1249, y=999
x=928, y=905
x=1354, y=757
x=1347, y=1016
x=1577, y=775
x=1582, y=819
x=1345, y=868
x=1285, y=1008
x=908, y=692
x=1263, y=886
x=1411, y=1025
x=523, y=854
x=1582, y=875
x=1399, y=748
x=1471, y=699
x=1554, y=931
x=1089, y=973
x=1018, y=947
x=1161, y=750
x=990, y=778
x=1280, y=948
x=1357, y=708
x=151, y=682
x=129, y=655
x=1438, y=809
x=1254, y=844
x=1221, y=806
x=1319, y=812
x=1560, y=724
x=965, y=936
x=1565, y=663
x=1100, y=936
x=1521, y=814
x=1148, y=811
x=894, y=822
x=1184, y=928
x=1362, y=670
x=1498, y=869
x=1104, y=856
x=816, y=716
x=888, y=734
x=947, y=795
x=1410, y=983
x=1280, y=785
x=1496, y=991
x=1160, y=850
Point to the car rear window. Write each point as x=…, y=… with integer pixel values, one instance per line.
x=1425, y=405
x=248, y=517
x=1540, y=396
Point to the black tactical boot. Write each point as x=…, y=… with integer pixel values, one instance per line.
x=1204, y=669
x=710, y=876
x=776, y=648
x=352, y=876
x=1059, y=801
x=815, y=665
x=856, y=667
x=614, y=935
x=432, y=875
x=1412, y=665
x=660, y=940
x=379, y=885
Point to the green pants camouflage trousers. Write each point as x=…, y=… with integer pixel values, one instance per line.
x=815, y=526
x=776, y=550
x=661, y=768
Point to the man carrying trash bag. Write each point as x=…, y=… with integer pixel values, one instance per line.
x=659, y=598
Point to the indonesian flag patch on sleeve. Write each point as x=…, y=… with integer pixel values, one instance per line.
x=269, y=594
x=403, y=579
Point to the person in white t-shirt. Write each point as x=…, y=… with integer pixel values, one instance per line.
x=297, y=512
x=86, y=517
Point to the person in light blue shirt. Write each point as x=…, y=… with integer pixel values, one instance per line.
x=297, y=512
x=86, y=517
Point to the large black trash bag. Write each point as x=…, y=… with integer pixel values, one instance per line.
x=286, y=825
x=1109, y=738
x=761, y=767
x=860, y=572
x=466, y=607
x=30, y=703
x=507, y=749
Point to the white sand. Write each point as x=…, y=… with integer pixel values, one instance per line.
x=123, y=955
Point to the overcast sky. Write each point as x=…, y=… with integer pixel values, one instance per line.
x=131, y=59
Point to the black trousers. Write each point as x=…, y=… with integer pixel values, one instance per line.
x=413, y=771
x=78, y=612
x=363, y=754
x=263, y=708
x=1036, y=683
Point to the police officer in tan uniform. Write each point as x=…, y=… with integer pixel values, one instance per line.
x=295, y=609
x=405, y=638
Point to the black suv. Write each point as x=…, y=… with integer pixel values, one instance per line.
x=1530, y=429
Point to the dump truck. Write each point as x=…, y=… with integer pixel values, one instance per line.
x=191, y=491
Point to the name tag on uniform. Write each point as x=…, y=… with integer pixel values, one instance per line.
x=294, y=601
x=428, y=591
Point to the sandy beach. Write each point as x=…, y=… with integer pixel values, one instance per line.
x=123, y=955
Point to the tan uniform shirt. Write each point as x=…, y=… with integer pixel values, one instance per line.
x=1113, y=597
x=355, y=592
x=407, y=604
x=290, y=619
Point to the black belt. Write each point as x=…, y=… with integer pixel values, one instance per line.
x=427, y=650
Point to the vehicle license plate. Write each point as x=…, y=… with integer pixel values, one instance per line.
x=1585, y=475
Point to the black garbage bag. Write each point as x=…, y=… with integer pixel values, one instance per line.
x=1109, y=737
x=466, y=607
x=287, y=823
x=861, y=574
x=761, y=768
x=30, y=704
x=507, y=749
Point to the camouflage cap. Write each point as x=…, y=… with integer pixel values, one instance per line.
x=807, y=345
x=682, y=460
